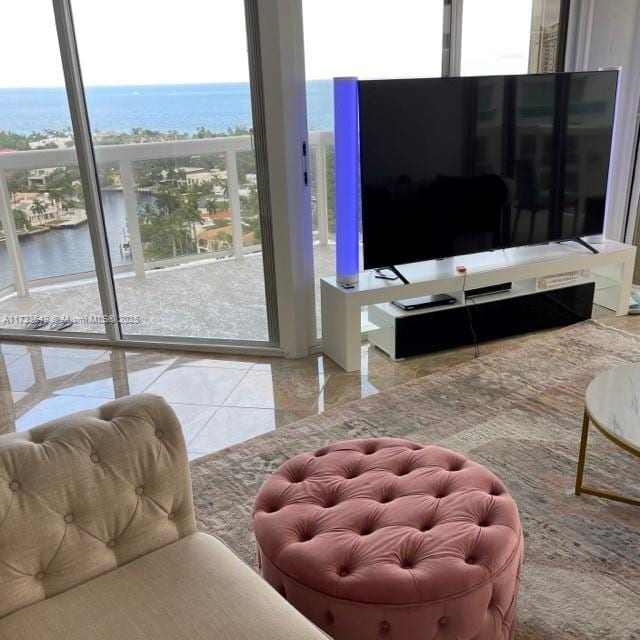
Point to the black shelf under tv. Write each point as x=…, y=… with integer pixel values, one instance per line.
x=414, y=333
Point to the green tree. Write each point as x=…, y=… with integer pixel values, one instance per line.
x=167, y=226
x=38, y=209
x=21, y=219
x=167, y=200
x=56, y=198
x=17, y=181
x=210, y=206
x=249, y=203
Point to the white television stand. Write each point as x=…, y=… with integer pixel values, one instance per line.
x=611, y=270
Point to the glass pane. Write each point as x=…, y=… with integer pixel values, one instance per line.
x=405, y=41
x=545, y=23
x=534, y=127
x=41, y=196
x=170, y=111
x=495, y=37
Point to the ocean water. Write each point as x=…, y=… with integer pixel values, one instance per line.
x=181, y=108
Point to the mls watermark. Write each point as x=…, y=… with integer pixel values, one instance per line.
x=90, y=319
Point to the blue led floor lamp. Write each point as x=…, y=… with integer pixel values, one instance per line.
x=345, y=105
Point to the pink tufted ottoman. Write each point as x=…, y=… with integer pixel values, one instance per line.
x=388, y=539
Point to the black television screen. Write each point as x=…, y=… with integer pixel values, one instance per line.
x=452, y=166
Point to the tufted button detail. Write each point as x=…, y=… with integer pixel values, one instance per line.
x=111, y=544
x=39, y=575
x=171, y=515
x=385, y=627
x=94, y=457
x=14, y=485
x=68, y=518
x=159, y=434
x=483, y=523
x=139, y=490
x=420, y=568
x=444, y=620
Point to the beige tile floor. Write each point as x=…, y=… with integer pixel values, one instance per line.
x=220, y=400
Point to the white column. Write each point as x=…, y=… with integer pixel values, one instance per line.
x=133, y=224
x=233, y=188
x=282, y=64
x=11, y=235
x=320, y=156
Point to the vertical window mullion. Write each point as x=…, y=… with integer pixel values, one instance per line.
x=87, y=165
x=451, y=37
x=256, y=83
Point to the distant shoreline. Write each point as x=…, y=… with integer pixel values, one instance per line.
x=149, y=85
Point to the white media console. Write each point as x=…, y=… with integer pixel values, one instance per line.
x=611, y=270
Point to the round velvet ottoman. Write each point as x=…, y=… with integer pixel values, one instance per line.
x=388, y=539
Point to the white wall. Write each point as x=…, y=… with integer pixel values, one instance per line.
x=605, y=34
x=282, y=57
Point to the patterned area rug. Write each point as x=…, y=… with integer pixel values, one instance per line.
x=519, y=412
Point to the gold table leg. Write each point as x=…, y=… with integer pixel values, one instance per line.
x=580, y=473
x=583, y=452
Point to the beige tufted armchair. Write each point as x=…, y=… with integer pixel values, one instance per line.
x=98, y=538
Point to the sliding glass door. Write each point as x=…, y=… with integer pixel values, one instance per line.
x=47, y=270
x=169, y=103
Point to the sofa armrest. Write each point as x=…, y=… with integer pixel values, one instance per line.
x=84, y=494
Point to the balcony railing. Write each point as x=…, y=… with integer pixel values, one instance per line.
x=124, y=155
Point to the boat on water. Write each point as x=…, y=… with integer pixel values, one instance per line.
x=125, y=245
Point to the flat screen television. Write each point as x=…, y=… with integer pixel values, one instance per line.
x=452, y=166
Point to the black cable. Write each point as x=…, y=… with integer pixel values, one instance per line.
x=476, y=346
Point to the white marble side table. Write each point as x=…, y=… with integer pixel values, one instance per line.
x=612, y=405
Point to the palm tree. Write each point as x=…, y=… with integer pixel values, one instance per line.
x=21, y=219
x=55, y=198
x=210, y=205
x=166, y=201
x=38, y=209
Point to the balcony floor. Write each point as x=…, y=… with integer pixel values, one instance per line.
x=222, y=299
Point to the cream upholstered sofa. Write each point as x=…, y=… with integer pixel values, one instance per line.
x=98, y=538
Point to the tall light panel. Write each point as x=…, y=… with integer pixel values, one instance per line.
x=345, y=106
